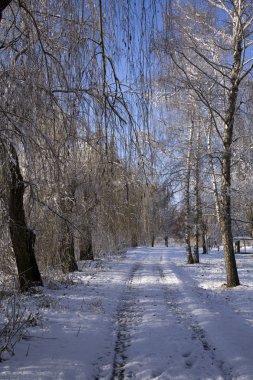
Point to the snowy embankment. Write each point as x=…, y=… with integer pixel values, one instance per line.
x=144, y=316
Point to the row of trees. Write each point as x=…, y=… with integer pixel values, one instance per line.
x=207, y=50
x=72, y=178
x=98, y=153
x=78, y=174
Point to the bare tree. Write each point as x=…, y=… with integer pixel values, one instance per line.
x=187, y=204
x=23, y=238
x=216, y=56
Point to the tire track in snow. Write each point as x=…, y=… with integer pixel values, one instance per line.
x=133, y=310
x=172, y=297
x=129, y=314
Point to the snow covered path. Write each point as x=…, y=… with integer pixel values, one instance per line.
x=156, y=336
x=144, y=316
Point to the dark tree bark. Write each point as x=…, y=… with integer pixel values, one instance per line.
x=197, y=201
x=196, y=245
x=134, y=240
x=3, y=5
x=238, y=247
x=204, y=245
x=86, y=249
x=225, y=218
x=67, y=250
x=23, y=238
x=187, y=201
x=203, y=230
x=66, y=239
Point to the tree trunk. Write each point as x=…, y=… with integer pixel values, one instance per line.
x=225, y=218
x=187, y=201
x=67, y=250
x=23, y=238
x=226, y=223
x=197, y=200
x=67, y=245
x=134, y=241
x=213, y=173
x=238, y=247
x=86, y=249
x=204, y=246
x=196, y=249
x=229, y=255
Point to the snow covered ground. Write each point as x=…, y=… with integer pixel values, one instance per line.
x=145, y=315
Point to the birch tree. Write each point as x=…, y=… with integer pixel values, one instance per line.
x=216, y=55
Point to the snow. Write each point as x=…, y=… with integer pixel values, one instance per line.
x=144, y=315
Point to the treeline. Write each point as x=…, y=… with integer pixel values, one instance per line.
x=123, y=121
x=206, y=61
x=73, y=184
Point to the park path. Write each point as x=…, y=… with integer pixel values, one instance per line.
x=143, y=315
x=157, y=337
